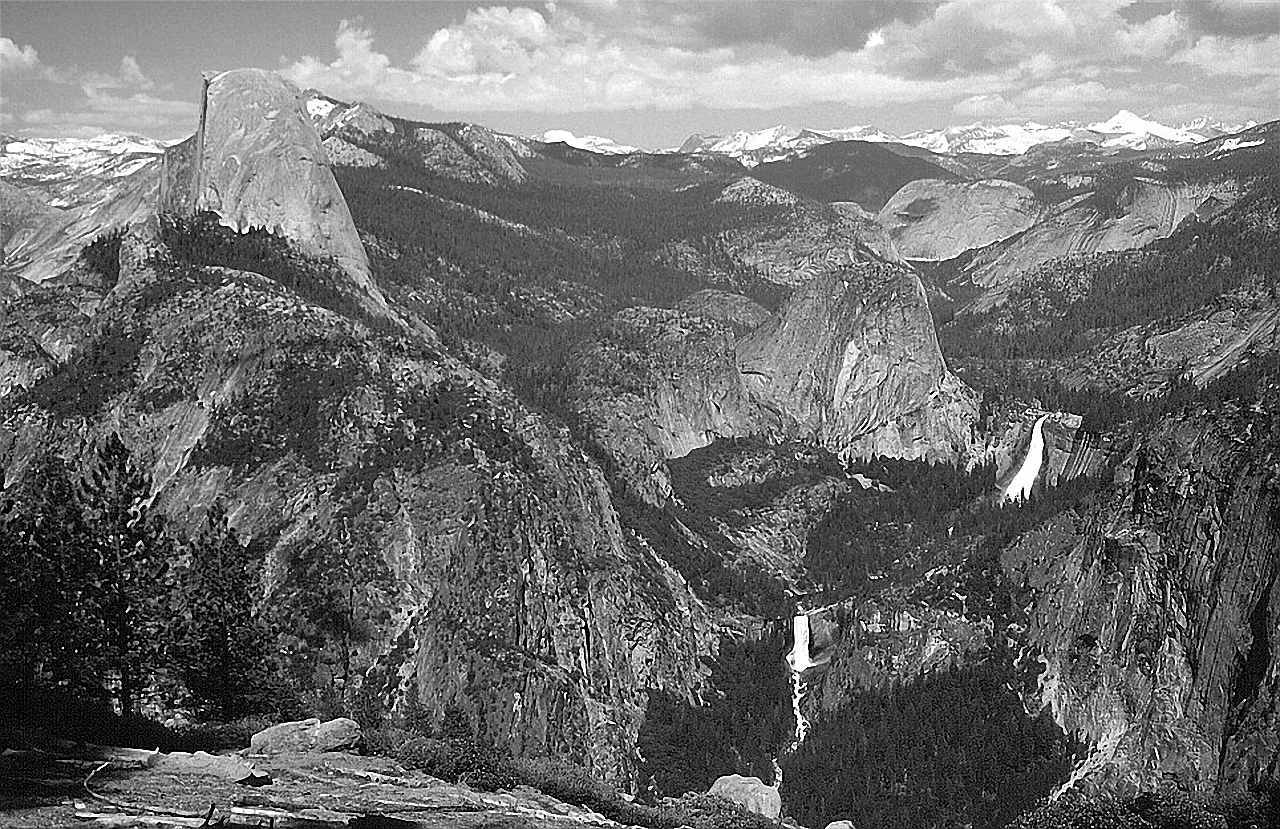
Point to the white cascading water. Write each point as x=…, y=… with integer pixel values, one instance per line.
x=1019, y=488
x=800, y=662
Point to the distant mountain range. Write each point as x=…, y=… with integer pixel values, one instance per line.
x=1124, y=130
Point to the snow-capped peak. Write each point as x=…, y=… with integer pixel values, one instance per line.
x=590, y=143
x=1130, y=130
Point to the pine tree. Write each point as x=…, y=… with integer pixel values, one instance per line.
x=222, y=647
x=48, y=627
x=131, y=554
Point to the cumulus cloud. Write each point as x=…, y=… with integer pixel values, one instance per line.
x=15, y=58
x=506, y=59
x=1217, y=55
x=123, y=100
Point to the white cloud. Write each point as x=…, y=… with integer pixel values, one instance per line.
x=1154, y=38
x=518, y=59
x=15, y=58
x=140, y=113
x=120, y=101
x=129, y=76
x=988, y=106
x=1216, y=55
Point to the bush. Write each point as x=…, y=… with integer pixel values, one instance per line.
x=458, y=760
x=1167, y=809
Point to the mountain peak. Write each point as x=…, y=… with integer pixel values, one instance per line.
x=257, y=161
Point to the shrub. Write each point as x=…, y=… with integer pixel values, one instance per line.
x=458, y=760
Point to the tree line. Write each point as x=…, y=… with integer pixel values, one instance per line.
x=104, y=601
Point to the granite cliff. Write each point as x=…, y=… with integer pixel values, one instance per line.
x=935, y=220
x=564, y=441
x=257, y=161
x=1152, y=618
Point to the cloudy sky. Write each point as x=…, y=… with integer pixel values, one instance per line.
x=650, y=73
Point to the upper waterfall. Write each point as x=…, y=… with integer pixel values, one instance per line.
x=1019, y=488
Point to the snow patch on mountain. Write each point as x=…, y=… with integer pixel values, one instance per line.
x=1238, y=144
x=102, y=155
x=318, y=108
x=1123, y=130
x=1129, y=130
x=590, y=143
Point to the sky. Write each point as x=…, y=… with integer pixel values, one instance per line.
x=649, y=73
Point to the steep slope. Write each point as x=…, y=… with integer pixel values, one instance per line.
x=429, y=541
x=257, y=161
x=935, y=220
x=56, y=197
x=853, y=362
x=1142, y=211
x=387, y=471
x=359, y=135
x=1194, y=306
x=1154, y=616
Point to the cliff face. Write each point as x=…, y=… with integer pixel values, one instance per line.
x=654, y=384
x=257, y=161
x=476, y=551
x=853, y=361
x=1155, y=617
x=1142, y=211
x=936, y=220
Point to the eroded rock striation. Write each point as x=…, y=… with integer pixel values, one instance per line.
x=935, y=220
x=1142, y=211
x=1155, y=615
x=257, y=161
x=852, y=360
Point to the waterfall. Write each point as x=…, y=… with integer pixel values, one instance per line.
x=1019, y=488
x=800, y=662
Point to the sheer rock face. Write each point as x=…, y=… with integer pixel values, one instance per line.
x=935, y=220
x=1069, y=452
x=257, y=161
x=853, y=361
x=657, y=384
x=488, y=566
x=1143, y=211
x=1156, y=618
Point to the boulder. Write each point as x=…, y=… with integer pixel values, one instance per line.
x=749, y=792
x=341, y=734
x=840, y=824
